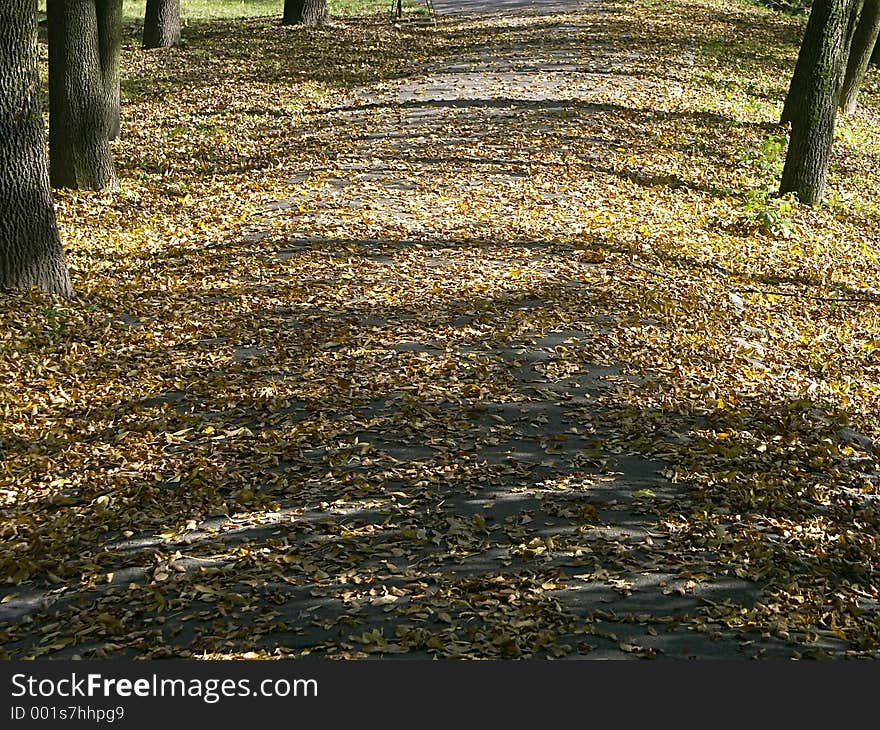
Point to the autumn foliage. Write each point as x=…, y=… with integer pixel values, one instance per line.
x=326, y=305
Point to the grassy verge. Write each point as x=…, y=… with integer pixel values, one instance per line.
x=202, y=10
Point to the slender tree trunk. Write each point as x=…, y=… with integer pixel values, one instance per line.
x=30, y=250
x=864, y=40
x=162, y=24
x=823, y=57
x=79, y=147
x=305, y=12
x=875, y=56
x=109, y=14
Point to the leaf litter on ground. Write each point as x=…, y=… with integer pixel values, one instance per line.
x=367, y=419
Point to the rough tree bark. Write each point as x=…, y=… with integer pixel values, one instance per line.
x=796, y=102
x=30, y=250
x=109, y=14
x=305, y=12
x=162, y=24
x=822, y=63
x=863, y=42
x=79, y=147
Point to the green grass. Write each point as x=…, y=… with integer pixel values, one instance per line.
x=196, y=10
x=211, y=9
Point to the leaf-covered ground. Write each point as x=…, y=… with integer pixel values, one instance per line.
x=481, y=338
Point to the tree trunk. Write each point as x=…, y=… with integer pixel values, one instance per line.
x=864, y=40
x=305, y=12
x=822, y=62
x=79, y=147
x=109, y=43
x=875, y=56
x=794, y=98
x=162, y=24
x=796, y=102
x=30, y=250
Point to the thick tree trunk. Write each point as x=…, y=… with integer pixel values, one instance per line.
x=864, y=40
x=162, y=24
x=796, y=102
x=30, y=250
x=109, y=14
x=823, y=57
x=79, y=147
x=305, y=12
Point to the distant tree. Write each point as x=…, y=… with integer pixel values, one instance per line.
x=79, y=147
x=863, y=43
x=162, y=24
x=109, y=13
x=30, y=249
x=305, y=12
x=813, y=96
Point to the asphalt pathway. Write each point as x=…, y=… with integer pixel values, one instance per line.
x=510, y=7
x=540, y=530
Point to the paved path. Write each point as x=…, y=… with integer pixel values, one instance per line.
x=471, y=521
x=509, y=7
x=444, y=125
